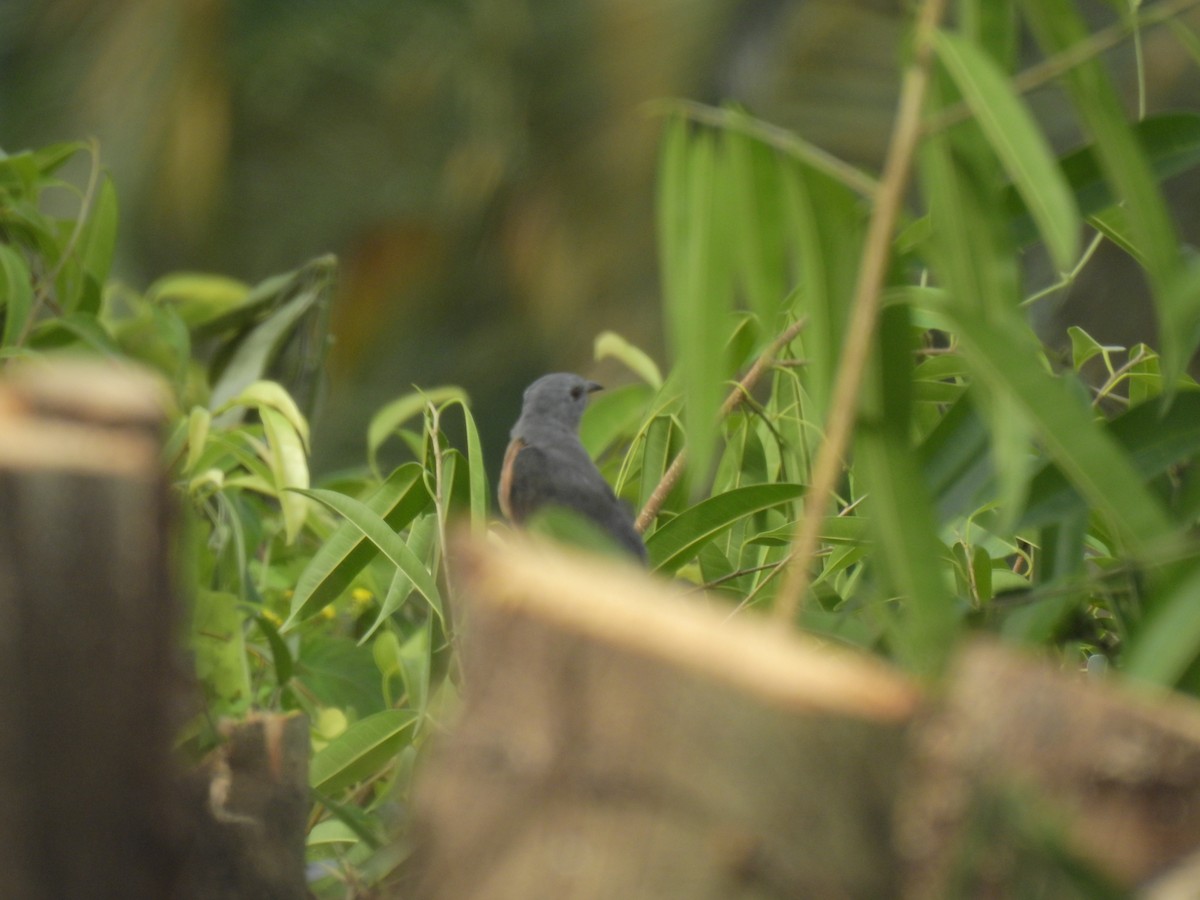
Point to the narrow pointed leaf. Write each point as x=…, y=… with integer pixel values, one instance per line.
x=1018, y=142
x=680, y=539
x=390, y=544
x=331, y=570
x=361, y=751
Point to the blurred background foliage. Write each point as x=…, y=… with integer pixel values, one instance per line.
x=483, y=169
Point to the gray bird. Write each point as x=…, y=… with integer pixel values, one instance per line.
x=546, y=465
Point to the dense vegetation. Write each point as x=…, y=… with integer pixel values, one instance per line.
x=985, y=484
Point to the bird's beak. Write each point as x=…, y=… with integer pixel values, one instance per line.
x=592, y=387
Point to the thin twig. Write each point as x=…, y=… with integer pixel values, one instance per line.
x=773, y=136
x=440, y=502
x=1067, y=278
x=1049, y=69
x=1117, y=376
x=843, y=406
x=85, y=209
x=739, y=393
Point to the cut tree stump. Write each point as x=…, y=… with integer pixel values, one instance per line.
x=88, y=619
x=617, y=740
x=1026, y=778
x=92, y=684
x=246, y=810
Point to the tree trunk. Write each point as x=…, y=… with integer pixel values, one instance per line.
x=616, y=742
x=87, y=636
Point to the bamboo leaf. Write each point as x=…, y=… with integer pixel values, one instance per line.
x=379, y=533
x=1018, y=142
x=272, y=395
x=1168, y=641
x=1003, y=358
x=1058, y=26
x=696, y=290
x=289, y=468
x=391, y=416
x=477, y=479
x=612, y=415
x=1152, y=440
x=899, y=505
x=610, y=344
x=420, y=542
x=680, y=539
x=16, y=299
x=361, y=751
x=400, y=499
x=1170, y=143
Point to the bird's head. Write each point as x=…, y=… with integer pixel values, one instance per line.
x=555, y=401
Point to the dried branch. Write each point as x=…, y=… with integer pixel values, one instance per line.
x=843, y=407
x=739, y=393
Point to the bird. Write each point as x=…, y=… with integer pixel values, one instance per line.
x=546, y=464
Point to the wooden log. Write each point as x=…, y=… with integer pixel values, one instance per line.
x=618, y=740
x=246, y=813
x=88, y=620
x=1031, y=781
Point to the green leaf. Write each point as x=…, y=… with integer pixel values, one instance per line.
x=1150, y=439
x=1058, y=27
x=219, y=648
x=335, y=672
x=610, y=344
x=1083, y=347
x=420, y=541
x=304, y=290
x=656, y=455
x=695, y=271
x=379, y=533
x=1018, y=142
x=1170, y=143
x=289, y=468
x=361, y=751
x=759, y=228
x=898, y=503
x=272, y=395
x=198, y=298
x=826, y=229
x=1005, y=359
x=51, y=158
x=679, y=540
x=16, y=301
x=415, y=662
x=1179, y=302
x=331, y=570
x=390, y=417
x=280, y=655
x=611, y=415
x=1168, y=640
x=73, y=329
x=565, y=526
x=477, y=478
x=99, y=237
x=199, y=421
x=327, y=838
x=956, y=461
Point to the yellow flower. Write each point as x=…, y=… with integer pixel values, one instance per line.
x=360, y=599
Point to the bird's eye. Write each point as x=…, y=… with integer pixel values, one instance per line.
x=576, y=392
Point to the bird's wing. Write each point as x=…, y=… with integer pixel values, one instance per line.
x=539, y=476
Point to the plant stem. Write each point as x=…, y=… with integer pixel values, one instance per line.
x=773, y=136
x=1049, y=69
x=843, y=407
x=740, y=391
